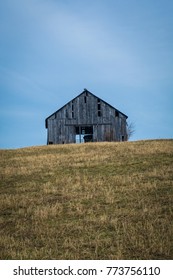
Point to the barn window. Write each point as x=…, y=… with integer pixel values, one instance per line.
x=72, y=109
x=122, y=138
x=116, y=113
x=66, y=113
x=98, y=107
x=85, y=97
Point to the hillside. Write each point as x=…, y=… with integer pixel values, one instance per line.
x=87, y=201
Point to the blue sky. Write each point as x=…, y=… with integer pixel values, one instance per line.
x=121, y=50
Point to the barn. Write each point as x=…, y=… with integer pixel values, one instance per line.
x=86, y=118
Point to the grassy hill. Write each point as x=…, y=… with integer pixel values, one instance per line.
x=87, y=201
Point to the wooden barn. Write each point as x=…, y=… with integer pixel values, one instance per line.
x=86, y=118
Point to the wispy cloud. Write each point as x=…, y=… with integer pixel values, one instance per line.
x=22, y=86
x=119, y=53
x=56, y=35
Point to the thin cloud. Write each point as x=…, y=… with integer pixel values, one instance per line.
x=73, y=38
x=68, y=34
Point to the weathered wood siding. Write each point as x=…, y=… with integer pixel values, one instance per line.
x=86, y=110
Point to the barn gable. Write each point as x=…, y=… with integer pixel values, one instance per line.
x=86, y=118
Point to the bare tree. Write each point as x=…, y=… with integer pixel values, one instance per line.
x=130, y=130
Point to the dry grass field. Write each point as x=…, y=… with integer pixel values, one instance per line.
x=87, y=201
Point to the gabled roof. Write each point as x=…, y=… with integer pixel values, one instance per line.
x=84, y=91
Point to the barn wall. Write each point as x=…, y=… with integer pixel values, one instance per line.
x=85, y=110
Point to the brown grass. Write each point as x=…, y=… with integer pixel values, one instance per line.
x=87, y=201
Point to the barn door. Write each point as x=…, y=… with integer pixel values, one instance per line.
x=84, y=134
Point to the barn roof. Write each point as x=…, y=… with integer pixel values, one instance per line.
x=84, y=91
